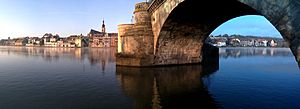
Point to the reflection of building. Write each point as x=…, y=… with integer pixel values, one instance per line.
x=78, y=53
x=100, y=57
x=240, y=52
x=102, y=39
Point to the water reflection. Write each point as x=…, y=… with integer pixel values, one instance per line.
x=95, y=56
x=52, y=78
x=167, y=87
x=245, y=52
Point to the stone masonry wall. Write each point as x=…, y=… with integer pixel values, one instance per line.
x=137, y=41
x=177, y=46
x=122, y=29
x=283, y=14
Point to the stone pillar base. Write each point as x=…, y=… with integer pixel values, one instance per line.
x=134, y=61
x=210, y=56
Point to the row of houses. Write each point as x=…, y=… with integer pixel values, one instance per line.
x=246, y=42
x=93, y=39
x=49, y=40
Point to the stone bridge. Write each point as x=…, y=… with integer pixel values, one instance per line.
x=173, y=31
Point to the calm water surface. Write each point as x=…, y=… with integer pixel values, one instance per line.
x=69, y=78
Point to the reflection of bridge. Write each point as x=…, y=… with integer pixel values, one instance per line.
x=177, y=87
x=173, y=31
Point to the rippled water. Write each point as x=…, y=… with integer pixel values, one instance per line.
x=70, y=78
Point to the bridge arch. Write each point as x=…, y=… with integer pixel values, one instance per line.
x=181, y=26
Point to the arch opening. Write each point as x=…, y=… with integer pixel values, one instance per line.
x=182, y=36
x=247, y=31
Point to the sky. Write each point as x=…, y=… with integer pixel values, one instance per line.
x=34, y=18
x=248, y=25
x=19, y=18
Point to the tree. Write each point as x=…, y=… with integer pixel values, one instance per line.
x=225, y=35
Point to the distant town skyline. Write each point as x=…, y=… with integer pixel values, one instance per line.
x=21, y=18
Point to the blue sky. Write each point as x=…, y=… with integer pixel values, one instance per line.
x=19, y=18
x=248, y=25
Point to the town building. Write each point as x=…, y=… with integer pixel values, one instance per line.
x=272, y=43
x=75, y=41
x=246, y=42
x=261, y=43
x=102, y=39
x=4, y=42
x=34, y=41
x=50, y=40
x=21, y=41
x=234, y=42
x=217, y=41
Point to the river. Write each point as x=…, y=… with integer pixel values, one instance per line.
x=87, y=78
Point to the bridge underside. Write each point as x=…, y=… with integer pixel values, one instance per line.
x=183, y=34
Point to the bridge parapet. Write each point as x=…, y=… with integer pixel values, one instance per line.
x=154, y=4
x=141, y=7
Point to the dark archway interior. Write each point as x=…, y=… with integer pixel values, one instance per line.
x=189, y=24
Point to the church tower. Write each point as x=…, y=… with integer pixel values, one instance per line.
x=103, y=27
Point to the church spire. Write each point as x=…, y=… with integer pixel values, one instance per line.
x=103, y=27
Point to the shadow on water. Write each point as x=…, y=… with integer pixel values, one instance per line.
x=168, y=87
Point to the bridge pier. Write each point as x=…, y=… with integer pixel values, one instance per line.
x=136, y=43
x=136, y=40
x=295, y=48
x=168, y=32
